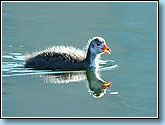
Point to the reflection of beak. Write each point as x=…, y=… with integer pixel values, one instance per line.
x=106, y=85
x=106, y=49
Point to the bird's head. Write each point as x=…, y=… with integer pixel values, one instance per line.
x=98, y=45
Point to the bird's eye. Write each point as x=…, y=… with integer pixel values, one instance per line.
x=98, y=44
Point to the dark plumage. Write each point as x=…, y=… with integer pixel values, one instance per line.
x=68, y=58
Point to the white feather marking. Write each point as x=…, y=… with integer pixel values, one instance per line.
x=75, y=53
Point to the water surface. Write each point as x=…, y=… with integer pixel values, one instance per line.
x=130, y=30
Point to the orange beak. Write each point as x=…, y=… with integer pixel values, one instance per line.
x=106, y=85
x=106, y=49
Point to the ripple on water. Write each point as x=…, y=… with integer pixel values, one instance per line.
x=14, y=56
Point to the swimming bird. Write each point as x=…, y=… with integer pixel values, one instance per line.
x=68, y=58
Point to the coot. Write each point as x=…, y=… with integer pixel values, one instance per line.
x=68, y=58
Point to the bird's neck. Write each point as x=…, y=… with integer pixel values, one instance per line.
x=92, y=58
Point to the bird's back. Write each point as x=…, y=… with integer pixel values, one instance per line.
x=56, y=57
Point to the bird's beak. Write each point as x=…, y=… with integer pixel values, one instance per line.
x=106, y=49
x=106, y=85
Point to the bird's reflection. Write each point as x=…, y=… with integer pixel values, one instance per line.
x=96, y=84
x=64, y=77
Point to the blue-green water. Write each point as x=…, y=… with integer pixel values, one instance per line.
x=130, y=30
